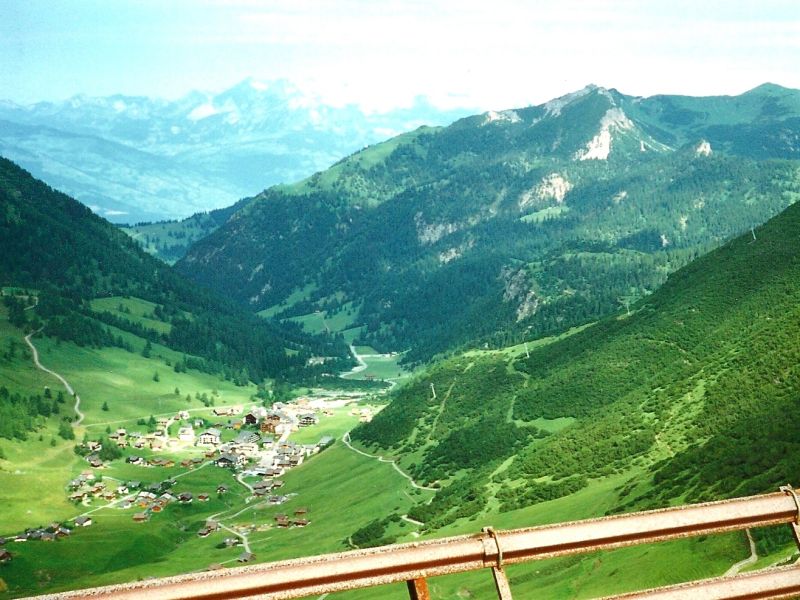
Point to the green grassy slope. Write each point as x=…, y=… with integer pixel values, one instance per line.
x=116, y=549
x=683, y=400
x=118, y=389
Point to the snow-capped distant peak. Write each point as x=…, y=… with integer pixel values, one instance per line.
x=259, y=86
x=201, y=112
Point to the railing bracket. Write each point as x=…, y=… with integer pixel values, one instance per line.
x=500, y=579
x=788, y=489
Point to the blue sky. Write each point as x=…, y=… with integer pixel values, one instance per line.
x=382, y=53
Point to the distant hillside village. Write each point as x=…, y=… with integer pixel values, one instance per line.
x=251, y=444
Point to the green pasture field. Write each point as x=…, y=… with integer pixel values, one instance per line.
x=116, y=549
x=551, y=212
x=293, y=299
x=350, y=335
x=141, y=311
x=365, y=350
x=33, y=466
x=32, y=481
x=381, y=367
x=125, y=381
x=364, y=489
x=335, y=426
x=312, y=322
x=553, y=425
x=321, y=322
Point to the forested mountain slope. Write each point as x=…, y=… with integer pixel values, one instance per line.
x=691, y=396
x=513, y=223
x=54, y=244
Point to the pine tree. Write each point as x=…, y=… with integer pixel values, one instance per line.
x=65, y=431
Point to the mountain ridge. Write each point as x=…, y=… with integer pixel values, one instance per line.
x=532, y=219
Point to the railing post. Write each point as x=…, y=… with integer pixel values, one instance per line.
x=501, y=584
x=418, y=589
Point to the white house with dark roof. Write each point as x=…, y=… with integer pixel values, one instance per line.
x=231, y=460
x=210, y=437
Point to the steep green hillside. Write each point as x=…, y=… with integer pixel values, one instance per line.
x=510, y=224
x=684, y=399
x=52, y=243
x=169, y=240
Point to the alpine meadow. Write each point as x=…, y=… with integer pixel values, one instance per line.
x=326, y=333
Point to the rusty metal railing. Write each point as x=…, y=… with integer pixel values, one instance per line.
x=415, y=562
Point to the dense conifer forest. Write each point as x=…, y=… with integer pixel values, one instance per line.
x=72, y=256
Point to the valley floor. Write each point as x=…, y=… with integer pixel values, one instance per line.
x=365, y=487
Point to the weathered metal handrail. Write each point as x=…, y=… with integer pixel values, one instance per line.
x=414, y=562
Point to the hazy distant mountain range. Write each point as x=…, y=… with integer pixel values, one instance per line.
x=135, y=158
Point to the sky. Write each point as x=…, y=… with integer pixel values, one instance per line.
x=380, y=54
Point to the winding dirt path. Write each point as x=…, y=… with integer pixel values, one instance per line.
x=66, y=384
x=241, y=536
x=245, y=484
x=440, y=412
x=414, y=484
x=747, y=561
x=361, y=366
x=408, y=519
